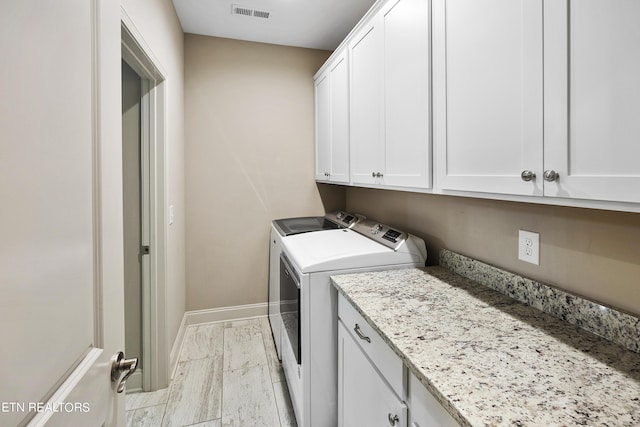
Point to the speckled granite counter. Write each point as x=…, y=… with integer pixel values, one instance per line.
x=491, y=360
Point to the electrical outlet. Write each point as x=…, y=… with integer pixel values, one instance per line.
x=529, y=247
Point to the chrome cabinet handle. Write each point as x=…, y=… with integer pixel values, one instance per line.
x=373, y=174
x=527, y=175
x=379, y=175
x=119, y=365
x=360, y=334
x=393, y=419
x=551, y=175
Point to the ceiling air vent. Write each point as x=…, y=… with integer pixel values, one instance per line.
x=247, y=11
x=261, y=14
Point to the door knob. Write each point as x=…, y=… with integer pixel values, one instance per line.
x=527, y=175
x=120, y=365
x=551, y=175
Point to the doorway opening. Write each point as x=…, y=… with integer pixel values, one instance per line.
x=144, y=213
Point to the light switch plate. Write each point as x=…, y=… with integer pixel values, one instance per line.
x=529, y=247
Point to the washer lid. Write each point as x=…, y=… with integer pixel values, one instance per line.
x=291, y=226
x=340, y=250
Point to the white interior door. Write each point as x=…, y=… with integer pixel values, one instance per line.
x=61, y=311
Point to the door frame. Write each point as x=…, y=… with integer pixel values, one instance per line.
x=137, y=54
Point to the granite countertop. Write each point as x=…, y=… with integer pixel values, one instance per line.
x=491, y=360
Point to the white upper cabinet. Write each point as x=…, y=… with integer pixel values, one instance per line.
x=488, y=95
x=407, y=97
x=323, y=126
x=527, y=100
x=332, y=122
x=366, y=58
x=513, y=118
x=592, y=99
x=390, y=99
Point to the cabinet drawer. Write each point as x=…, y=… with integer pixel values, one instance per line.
x=377, y=350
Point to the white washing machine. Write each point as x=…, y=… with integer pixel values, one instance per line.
x=308, y=305
x=288, y=227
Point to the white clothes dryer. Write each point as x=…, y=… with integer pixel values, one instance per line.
x=309, y=305
x=289, y=227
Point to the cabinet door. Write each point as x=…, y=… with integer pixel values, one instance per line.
x=367, y=118
x=323, y=126
x=339, y=72
x=488, y=56
x=364, y=398
x=592, y=99
x=424, y=409
x=407, y=97
x=332, y=122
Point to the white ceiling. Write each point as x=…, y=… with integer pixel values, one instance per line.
x=318, y=24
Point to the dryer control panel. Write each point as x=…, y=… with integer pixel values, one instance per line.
x=381, y=233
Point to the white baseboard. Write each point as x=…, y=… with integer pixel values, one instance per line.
x=177, y=346
x=222, y=314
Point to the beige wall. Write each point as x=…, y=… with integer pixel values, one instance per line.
x=158, y=24
x=249, y=120
x=589, y=252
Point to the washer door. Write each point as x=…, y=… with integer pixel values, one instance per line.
x=291, y=226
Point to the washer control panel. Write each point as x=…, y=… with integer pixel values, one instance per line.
x=343, y=218
x=381, y=233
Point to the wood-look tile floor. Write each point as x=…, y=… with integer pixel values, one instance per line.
x=228, y=375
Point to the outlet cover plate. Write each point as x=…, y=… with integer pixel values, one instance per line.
x=529, y=247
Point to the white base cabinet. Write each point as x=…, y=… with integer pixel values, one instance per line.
x=374, y=386
x=365, y=398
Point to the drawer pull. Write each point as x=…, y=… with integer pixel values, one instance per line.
x=360, y=334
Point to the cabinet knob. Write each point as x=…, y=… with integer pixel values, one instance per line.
x=527, y=175
x=379, y=175
x=551, y=175
x=393, y=419
x=373, y=174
